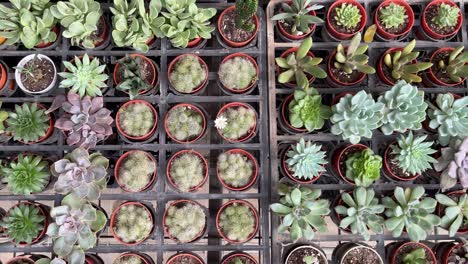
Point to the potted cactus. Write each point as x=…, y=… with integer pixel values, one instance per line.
x=36, y=74
x=185, y=123
x=350, y=253
x=238, y=73
x=304, y=162
x=298, y=67
x=184, y=221
x=441, y=19
x=187, y=170
x=302, y=212
x=131, y=223
x=133, y=258
x=400, y=64
x=135, y=75
x=239, y=257
x=237, y=169
x=30, y=123
x=135, y=171
x=137, y=120
x=453, y=210
x=188, y=74
x=183, y=258
x=448, y=67
x=394, y=19
x=236, y=122
x=411, y=252
x=306, y=254
x=345, y=18
x=237, y=221
x=297, y=19
x=238, y=25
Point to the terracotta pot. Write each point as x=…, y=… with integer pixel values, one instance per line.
x=44, y=45
x=335, y=81
x=202, y=62
x=381, y=29
x=388, y=170
x=7, y=86
x=137, y=138
x=155, y=72
x=227, y=259
x=285, y=55
x=185, y=151
x=289, y=173
x=448, y=251
x=172, y=259
x=234, y=43
x=178, y=203
x=254, y=82
x=338, y=155
x=252, y=130
x=253, y=177
x=287, y=35
x=252, y=209
x=432, y=34
x=343, y=36
x=386, y=79
x=396, y=252
x=122, y=159
x=43, y=232
x=441, y=210
x=193, y=108
x=49, y=131
x=430, y=74
x=113, y=222
x=194, y=42
x=145, y=259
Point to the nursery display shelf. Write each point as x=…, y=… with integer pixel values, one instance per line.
x=211, y=247
x=329, y=183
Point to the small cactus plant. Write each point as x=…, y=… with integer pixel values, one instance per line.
x=237, y=73
x=353, y=58
x=245, y=10
x=235, y=169
x=137, y=119
x=348, y=15
x=130, y=259
x=187, y=171
x=184, y=123
x=188, y=74
x=133, y=223
x=136, y=171
x=392, y=16
x=236, y=122
x=186, y=222
x=237, y=222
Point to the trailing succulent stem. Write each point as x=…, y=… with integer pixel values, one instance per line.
x=245, y=10
x=393, y=15
x=237, y=222
x=297, y=16
x=136, y=171
x=133, y=223
x=363, y=167
x=306, y=160
x=185, y=222
x=306, y=109
x=353, y=58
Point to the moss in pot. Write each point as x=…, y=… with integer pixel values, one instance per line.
x=185, y=221
x=187, y=170
x=135, y=170
x=238, y=72
x=188, y=74
x=237, y=169
x=185, y=123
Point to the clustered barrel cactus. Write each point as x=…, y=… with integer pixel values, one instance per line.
x=353, y=58
x=306, y=160
x=245, y=73
x=136, y=171
x=235, y=169
x=453, y=163
x=447, y=15
x=188, y=74
x=455, y=66
x=236, y=122
x=245, y=10
x=28, y=123
x=348, y=15
x=237, y=222
x=392, y=16
x=184, y=123
x=187, y=171
x=455, y=213
x=134, y=74
x=306, y=109
x=185, y=222
x=128, y=259
x=363, y=167
x=136, y=119
x=133, y=223
x=297, y=16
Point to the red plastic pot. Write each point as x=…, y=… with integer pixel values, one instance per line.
x=284, y=110
x=343, y=36
x=4, y=75
x=177, y=203
x=113, y=222
x=230, y=257
x=43, y=232
x=253, y=82
x=417, y=244
x=431, y=33
x=139, y=138
x=380, y=65
x=143, y=258
x=93, y=259
x=20, y=259
x=194, y=42
x=430, y=74
x=192, y=256
x=252, y=130
x=440, y=213
x=447, y=252
x=203, y=63
x=234, y=43
x=122, y=159
x=193, y=108
x=339, y=155
x=289, y=173
x=388, y=170
x=49, y=131
x=252, y=209
x=336, y=80
x=290, y=36
x=253, y=177
x=381, y=29
x=43, y=45
x=186, y=151
x=153, y=68
x=284, y=55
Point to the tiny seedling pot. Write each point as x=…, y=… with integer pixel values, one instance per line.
x=254, y=82
x=200, y=87
x=43, y=212
x=122, y=159
x=340, y=252
x=381, y=29
x=153, y=69
x=193, y=108
x=388, y=169
x=285, y=118
x=334, y=81
x=398, y=251
x=427, y=31
x=431, y=80
x=252, y=209
x=317, y=250
x=147, y=135
x=181, y=152
x=335, y=33
x=229, y=42
x=284, y=34
x=143, y=257
x=50, y=45
x=230, y=257
x=178, y=203
x=49, y=131
x=289, y=173
x=253, y=177
x=285, y=55
x=113, y=222
x=23, y=62
x=441, y=210
x=193, y=257
x=252, y=131
x=340, y=155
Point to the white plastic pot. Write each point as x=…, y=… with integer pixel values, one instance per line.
x=23, y=62
x=317, y=249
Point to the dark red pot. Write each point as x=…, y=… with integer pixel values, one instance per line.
x=380, y=66
x=113, y=222
x=194, y=42
x=252, y=209
x=289, y=173
x=432, y=33
x=342, y=36
x=153, y=68
x=448, y=251
x=380, y=28
x=176, y=203
x=147, y=135
x=396, y=252
x=119, y=162
x=339, y=83
x=184, y=151
x=430, y=74
x=285, y=111
x=284, y=55
x=256, y=68
x=233, y=43
x=230, y=257
x=252, y=131
x=287, y=35
x=25, y=259
x=253, y=177
x=43, y=45
x=188, y=255
x=339, y=155
x=388, y=170
x=203, y=63
x=194, y=108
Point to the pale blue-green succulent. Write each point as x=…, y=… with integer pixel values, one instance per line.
x=306, y=160
x=456, y=212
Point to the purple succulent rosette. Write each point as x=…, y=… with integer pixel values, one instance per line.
x=453, y=164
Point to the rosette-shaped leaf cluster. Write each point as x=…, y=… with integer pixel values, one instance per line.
x=453, y=163
x=297, y=16
x=306, y=160
x=392, y=15
x=456, y=211
x=363, y=167
x=348, y=15
x=306, y=110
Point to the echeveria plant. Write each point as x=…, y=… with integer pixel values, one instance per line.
x=455, y=213
x=306, y=160
x=363, y=167
x=453, y=163
x=306, y=109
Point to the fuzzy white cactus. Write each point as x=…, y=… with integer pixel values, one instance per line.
x=136, y=120
x=239, y=121
x=237, y=73
x=187, y=171
x=188, y=74
x=237, y=222
x=235, y=169
x=133, y=223
x=128, y=260
x=184, y=123
x=185, y=222
x=136, y=171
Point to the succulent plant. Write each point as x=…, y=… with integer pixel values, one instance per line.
x=405, y=108
x=29, y=22
x=353, y=58
x=187, y=171
x=56, y=260
x=186, y=22
x=23, y=223
x=237, y=73
x=3, y=118
x=361, y=212
x=136, y=171
x=86, y=121
x=310, y=259
x=134, y=74
x=408, y=210
x=416, y=256
x=298, y=64
x=26, y=175
x=80, y=18
x=306, y=109
x=412, y=154
x=297, y=16
x=449, y=116
x=129, y=259
x=306, y=160
x=236, y=122
x=355, y=116
x=184, y=123
x=392, y=15
x=348, y=15
x=188, y=74
x=84, y=76
x=455, y=67
x=456, y=211
x=74, y=228
x=136, y=119
x=237, y=222
x=28, y=123
x=235, y=169
x=133, y=223
x=245, y=10
x=301, y=210
x=453, y=163
x=401, y=65
x=185, y=222
x=447, y=15
x=81, y=174
x=363, y=167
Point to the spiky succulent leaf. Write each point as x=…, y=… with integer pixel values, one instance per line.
x=363, y=167
x=306, y=160
x=306, y=110
x=455, y=213
x=447, y=15
x=23, y=223
x=453, y=163
x=392, y=15
x=297, y=16
x=28, y=122
x=353, y=58
x=348, y=15
x=134, y=76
